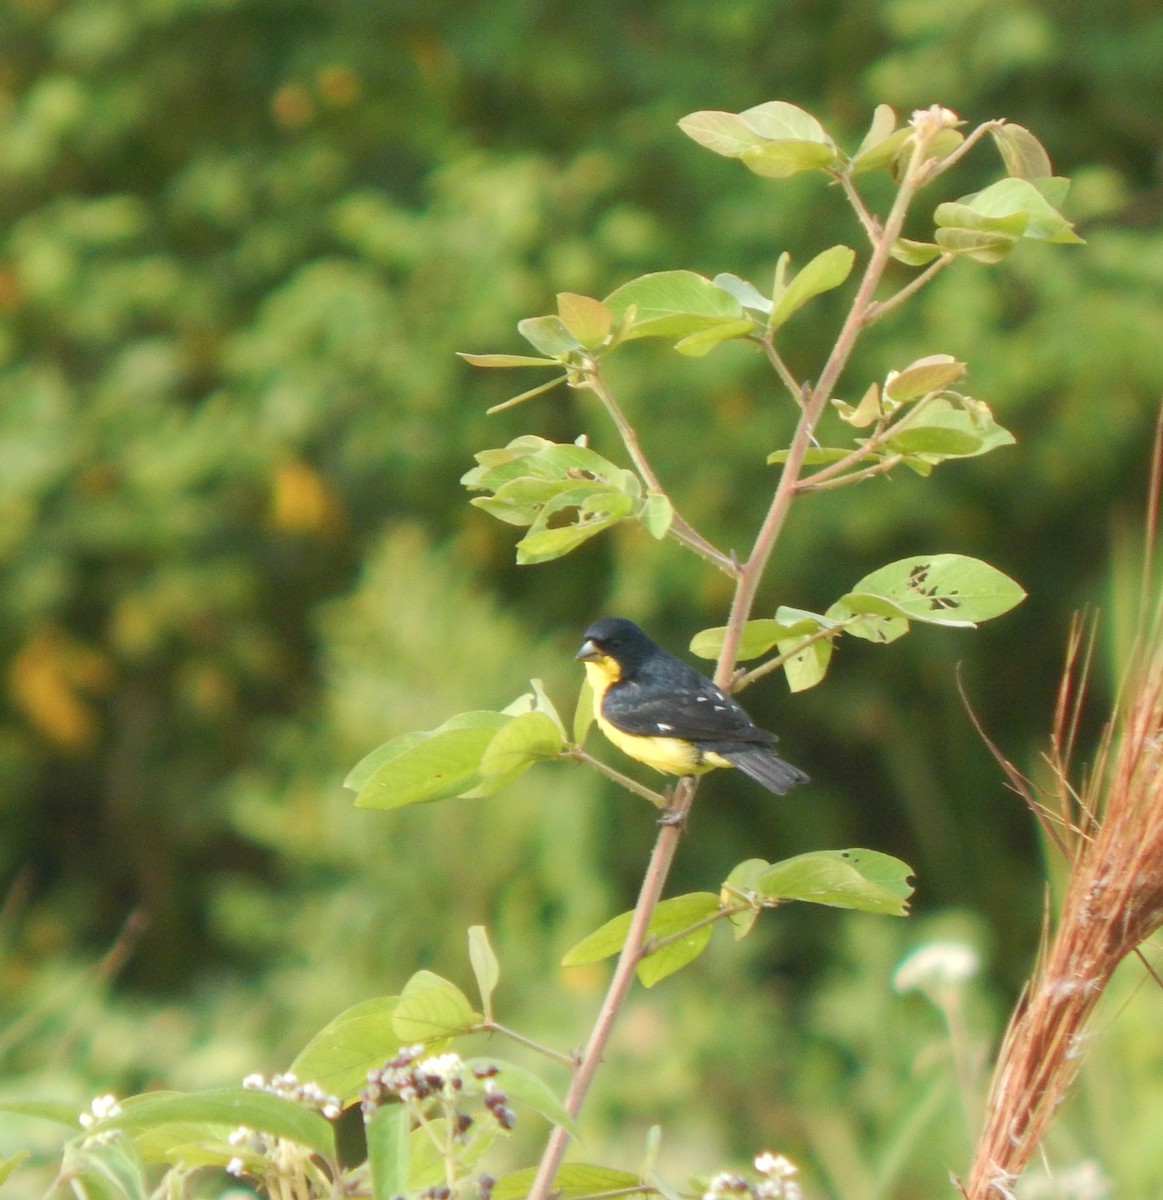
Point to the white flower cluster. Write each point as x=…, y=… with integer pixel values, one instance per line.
x=778, y=1181
x=100, y=1108
x=936, y=966
x=287, y=1085
x=933, y=118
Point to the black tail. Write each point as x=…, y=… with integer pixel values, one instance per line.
x=765, y=768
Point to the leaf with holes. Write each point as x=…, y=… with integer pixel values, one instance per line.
x=859, y=879
x=939, y=589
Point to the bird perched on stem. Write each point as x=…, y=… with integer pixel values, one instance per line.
x=665, y=714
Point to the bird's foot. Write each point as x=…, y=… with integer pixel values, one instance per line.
x=672, y=813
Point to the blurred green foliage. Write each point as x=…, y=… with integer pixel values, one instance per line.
x=240, y=241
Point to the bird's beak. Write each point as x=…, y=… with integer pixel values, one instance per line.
x=587, y=652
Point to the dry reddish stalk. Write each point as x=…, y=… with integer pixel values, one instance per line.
x=1113, y=836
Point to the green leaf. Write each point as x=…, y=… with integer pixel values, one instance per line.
x=695, y=345
x=931, y=374
x=44, y=1110
x=807, y=662
x=584, y=318
x=757, y=637
x=520, y=500
x=550, y=336
x=869, y=627
x=507, y=360
x=543, y=704
x=672, y=304
x=1023, y=155
x=524, y=741
x=957, y=214
x=721, y=132
x=670, y=917
x=583, y=713
x=443, y=763
x=914, y=254
x=426, y=1160
x=743, y=879
x=746, y=293
x=780, y=121
x=572, y=1182
x=430, y=1007
x=867, y=411
x=11, y=1164
x=935, y=440
x=940, y=589
x=597, y=508
x=882, y=143
x=813, y=456
x=859, y=879
x=340, y=1055
x=229, y=1107
x=656, y=514
x=388, y=1151
x=775, y=139
x=529, y=1089
x=980, y=246
x=1001, y=205
x=778, y=160
x=104, y=1170
x=882, y=126
x=485, y=966
x=826, y=271
x=970, y=421
x=793, y=140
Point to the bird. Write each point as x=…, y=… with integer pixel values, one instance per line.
x=663, y=713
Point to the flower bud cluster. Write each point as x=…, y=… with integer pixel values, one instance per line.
x=101, y=1108
x=287, y=1085
x=410, y=1078
x=777, y=1181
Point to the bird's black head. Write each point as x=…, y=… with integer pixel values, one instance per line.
x=618, y=639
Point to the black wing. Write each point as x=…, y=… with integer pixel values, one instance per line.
x=682, y=705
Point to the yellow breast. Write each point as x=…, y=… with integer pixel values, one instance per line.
x=671, y=756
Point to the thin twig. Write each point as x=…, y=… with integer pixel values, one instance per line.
x=654, y=944
x=680, y=528
x=491, y=1026
x=939, y=166
x=773, y=664
x=781, y=368
x=810, y=484
x=631, y=785
x=870, y=223
x=756, y=564
x=882, y=308
x=652, y=884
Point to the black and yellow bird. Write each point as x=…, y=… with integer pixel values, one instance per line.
x=665, y=714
